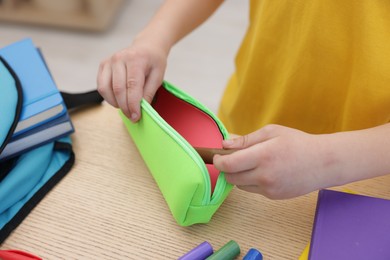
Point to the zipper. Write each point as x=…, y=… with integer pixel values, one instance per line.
x=221, y=182
x=219, y=188
x=187, y=147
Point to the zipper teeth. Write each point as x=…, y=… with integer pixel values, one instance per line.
x=188, y=99
x=221, y=182
x=188, y=148
x=218, y=192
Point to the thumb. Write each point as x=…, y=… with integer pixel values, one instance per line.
x=261, y=135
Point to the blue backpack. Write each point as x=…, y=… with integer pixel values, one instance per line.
x=27, y=178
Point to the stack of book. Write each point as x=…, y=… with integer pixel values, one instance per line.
x=44, y=116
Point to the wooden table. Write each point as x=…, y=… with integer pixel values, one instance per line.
x=109, y=207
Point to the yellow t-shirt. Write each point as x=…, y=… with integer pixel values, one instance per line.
x=318, y=66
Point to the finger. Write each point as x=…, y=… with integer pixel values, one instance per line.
x=135, y=89
x=261, y=135
x=240, y=178
x=119, y=86
x=153, y=82
x=232, y=136
x=104, y=81
x=238, y=161
x=251, y=188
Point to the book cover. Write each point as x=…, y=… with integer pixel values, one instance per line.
x=350, y=226
x=44, y=133
x=41, y=98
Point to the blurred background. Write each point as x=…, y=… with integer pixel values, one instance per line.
x=75, y=35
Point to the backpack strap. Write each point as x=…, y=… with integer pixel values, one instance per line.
x=11, y=100
x=76, y=100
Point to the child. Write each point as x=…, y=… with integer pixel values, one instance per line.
x=312, y=76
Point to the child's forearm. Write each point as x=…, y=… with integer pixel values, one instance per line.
x=362, y=154
x=175, y=19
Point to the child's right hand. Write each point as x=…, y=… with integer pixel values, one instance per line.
x=281, y=162
x=131, y=74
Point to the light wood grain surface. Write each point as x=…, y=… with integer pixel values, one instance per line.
x=109, y=207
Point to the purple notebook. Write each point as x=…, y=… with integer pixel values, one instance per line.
x=350, y=226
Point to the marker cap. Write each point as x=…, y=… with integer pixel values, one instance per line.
x=199, y=253
x=253, y=254
x=229, y=251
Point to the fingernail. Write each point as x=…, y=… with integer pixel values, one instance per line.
x=134, y=116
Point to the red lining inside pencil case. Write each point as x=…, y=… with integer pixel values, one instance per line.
x=196, y=126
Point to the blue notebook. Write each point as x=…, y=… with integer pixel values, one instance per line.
x=350, y=226
x=40, y=135
x=42, y=100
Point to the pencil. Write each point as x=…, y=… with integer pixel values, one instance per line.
x=207, y=154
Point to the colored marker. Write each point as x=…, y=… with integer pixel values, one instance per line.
x=253, y=254
x=198, y=253
x=228, y=252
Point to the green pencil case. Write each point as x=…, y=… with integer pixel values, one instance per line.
x=165, y=136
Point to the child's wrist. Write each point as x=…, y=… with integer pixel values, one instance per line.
x=151, y=37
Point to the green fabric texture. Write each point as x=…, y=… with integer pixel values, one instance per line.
x=176, y=167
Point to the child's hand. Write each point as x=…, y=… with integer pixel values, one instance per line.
x=277, y=162
x=132, y=74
